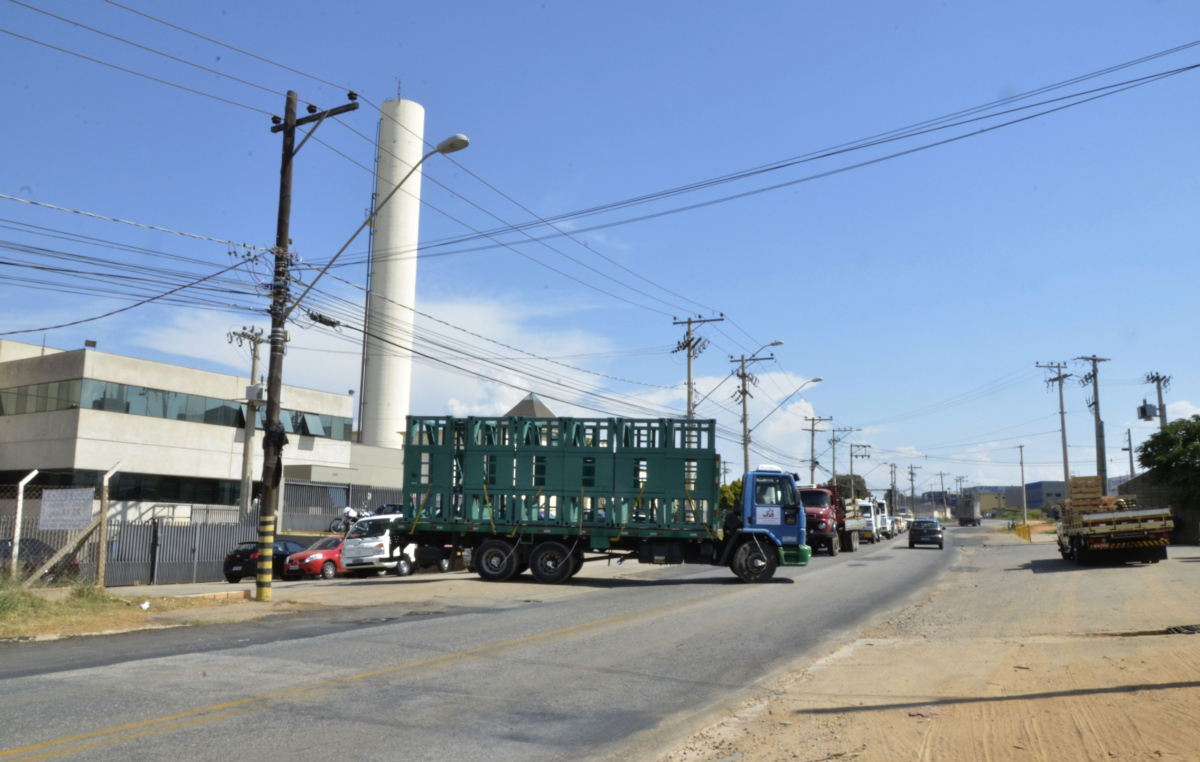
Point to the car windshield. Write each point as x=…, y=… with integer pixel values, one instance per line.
x=369, y=529
x=925, y=525
x=326, y=543
x=814, y=499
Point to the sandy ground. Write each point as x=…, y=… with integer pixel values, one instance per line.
x=1013, y=655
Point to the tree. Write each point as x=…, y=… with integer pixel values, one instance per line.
x=1172, y=456
x=731, y=495
x=860, y=486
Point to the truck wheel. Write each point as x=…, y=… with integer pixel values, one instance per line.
x=445, y=565
x=834, y=545
x=755, y=561
x=551, y=563
x=1064, y=552
x=495, y=561
x=1078, y=552
x=853, y=542
x=404, y=566
x=576, y=563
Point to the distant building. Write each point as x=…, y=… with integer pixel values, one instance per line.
x=1045, y=494
x=530, y=407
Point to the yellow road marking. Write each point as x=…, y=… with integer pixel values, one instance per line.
x=143, y=728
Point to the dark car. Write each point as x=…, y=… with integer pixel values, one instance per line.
x=323, y=558
x=242, y=561
x=926, y=532
x=34, y=554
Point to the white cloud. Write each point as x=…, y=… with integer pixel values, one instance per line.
x=1181, y=409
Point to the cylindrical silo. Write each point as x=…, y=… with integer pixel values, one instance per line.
x=387, y=371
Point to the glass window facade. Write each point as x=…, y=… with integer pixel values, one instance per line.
x=110, y=397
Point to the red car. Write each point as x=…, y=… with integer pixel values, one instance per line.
x=323, y=558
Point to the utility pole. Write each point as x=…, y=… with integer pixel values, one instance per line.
x=942, y=478
x=274, y=436
x=1162, y=382
x=1093, y=378
x=852, y=457
x=812, y=429
x=912, y=487
x=1129, y=449
x=1059, y=378
x=724, y=472
x=747, y=379
x=693, y=345
x=895, y=499
x=255, y=337
x=833, y=441
x=1024, y=503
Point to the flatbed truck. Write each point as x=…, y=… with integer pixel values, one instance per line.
x=830, y=523
x=547, y=494
x=1097, y=528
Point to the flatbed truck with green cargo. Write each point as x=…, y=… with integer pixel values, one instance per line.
x=545, y=494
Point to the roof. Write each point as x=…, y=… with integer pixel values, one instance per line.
x=530, y=407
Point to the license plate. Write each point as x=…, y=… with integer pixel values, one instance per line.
x=294, y=567
x=235, y=568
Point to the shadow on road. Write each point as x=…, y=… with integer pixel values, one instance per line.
x=1013, y=697
x=1051, y=565
x=616, y=583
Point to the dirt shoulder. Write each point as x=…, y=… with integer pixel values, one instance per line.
x=1015, y=655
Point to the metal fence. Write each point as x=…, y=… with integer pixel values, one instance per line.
x=312, y=506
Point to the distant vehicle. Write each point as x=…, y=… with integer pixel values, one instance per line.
x=926, y=532
x=242, y=561
x=323, y=558
x=1097, y=527
x=348, y=517
x=967, y=513
x=874, y=527
x=901, y=525
x=829, y=522
x=33, y=555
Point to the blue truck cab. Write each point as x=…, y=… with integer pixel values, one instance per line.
x=769, y=530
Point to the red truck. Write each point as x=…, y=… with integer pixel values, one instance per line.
x=828, y=523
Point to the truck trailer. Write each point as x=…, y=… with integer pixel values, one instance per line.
x=966, y=510
x=546, y=494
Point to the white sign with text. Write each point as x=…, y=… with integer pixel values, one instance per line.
x=67, y=508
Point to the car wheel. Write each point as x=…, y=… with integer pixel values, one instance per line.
x=232, y=579
x=551, y=563
x=912, y=545
x=404, y=567
x=445, y=565
x=941, y=546
x=328, y=570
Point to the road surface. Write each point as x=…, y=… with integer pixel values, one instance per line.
x=619, y=672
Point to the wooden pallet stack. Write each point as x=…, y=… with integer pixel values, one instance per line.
x=1086, y=497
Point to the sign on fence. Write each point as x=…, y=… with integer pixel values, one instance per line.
x=66, y=508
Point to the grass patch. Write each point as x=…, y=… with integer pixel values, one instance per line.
x=86, y=609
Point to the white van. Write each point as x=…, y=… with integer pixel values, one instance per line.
x=368, y=549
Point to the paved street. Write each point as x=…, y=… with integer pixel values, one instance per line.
x=621, y=670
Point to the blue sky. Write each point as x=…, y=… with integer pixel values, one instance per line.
x=904, y=284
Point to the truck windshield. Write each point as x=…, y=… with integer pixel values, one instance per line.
x=368, y=529
x=768, y=490
x=814, y=499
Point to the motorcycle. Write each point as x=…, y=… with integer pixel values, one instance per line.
x=342, y=524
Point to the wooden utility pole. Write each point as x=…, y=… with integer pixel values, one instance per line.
x=274, y=436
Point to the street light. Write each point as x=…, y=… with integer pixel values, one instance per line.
x=800, y=388
x=455, y=142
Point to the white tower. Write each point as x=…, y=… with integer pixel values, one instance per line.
x=387, y=371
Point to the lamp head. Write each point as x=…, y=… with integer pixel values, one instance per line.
x=453, y=143
x=817, y=380
x=775, y=344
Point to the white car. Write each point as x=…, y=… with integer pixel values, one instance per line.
x=368, y=549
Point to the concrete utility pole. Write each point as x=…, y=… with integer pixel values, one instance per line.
x=894, y=497
x=747, y=379
x=1093, y=378
x=1024, y=502
x=1059, y=378
x=693, y=345
x=912, y=486
x=255, y=337
x=942, y=478
x=274, y=436
x=1129, y=449
x=812, y=430
x=1162, y=382
x=833, y=441
x=852, y=457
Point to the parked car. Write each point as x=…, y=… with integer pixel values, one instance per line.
x=33, y=555
x=242, y=561
x=323, y=558
x=368, y=549
x=926, y=532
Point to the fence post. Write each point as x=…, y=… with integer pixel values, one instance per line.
x=102, y=530
x=195, y=551
x=17, y=523
x=154, y=551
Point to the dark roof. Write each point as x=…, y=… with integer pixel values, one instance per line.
x=530, y=407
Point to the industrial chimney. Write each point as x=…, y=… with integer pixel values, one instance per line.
x=387, y=360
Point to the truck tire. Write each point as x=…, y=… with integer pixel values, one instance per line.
x=495, y=561
x=576, y=563
x=551, y=563
x=755, y=561
x=852, y=543
x=834, y=545
x=1078, y=552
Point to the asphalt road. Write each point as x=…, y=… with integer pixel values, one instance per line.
x=617, y=672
